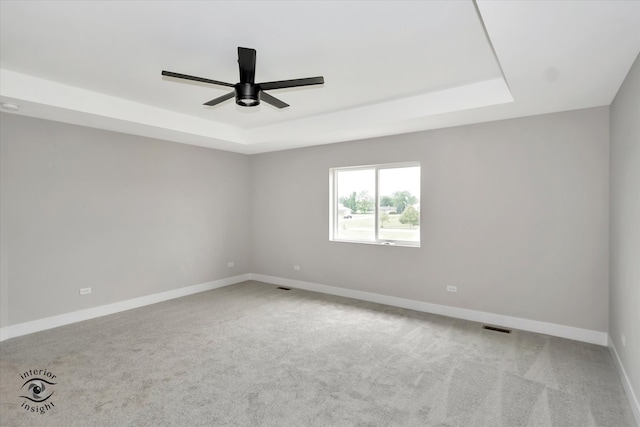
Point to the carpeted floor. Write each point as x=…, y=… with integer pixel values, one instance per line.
x=251, y=354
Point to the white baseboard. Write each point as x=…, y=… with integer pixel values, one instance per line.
x=633, y=400
x=103, y=310
x=585, y=335
x=563, y=331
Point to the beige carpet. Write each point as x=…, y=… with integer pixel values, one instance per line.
x=251, y=354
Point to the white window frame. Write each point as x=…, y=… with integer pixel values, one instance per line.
x=334, y=202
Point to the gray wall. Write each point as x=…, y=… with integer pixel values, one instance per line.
x=625, y=224
x=514, y=213
x=125, y=215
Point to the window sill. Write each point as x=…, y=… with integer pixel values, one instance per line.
x=391, y=244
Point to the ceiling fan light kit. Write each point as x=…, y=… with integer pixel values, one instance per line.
x=247, y=95
x=247, y=92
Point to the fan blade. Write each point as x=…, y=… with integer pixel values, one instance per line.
x=197, y=79
x=264, y=96
x=292, y=83
x=247, y=64
x=220, y=99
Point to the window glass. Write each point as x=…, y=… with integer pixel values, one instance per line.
x=399, y=204
x=356, y=190
x=376, y=204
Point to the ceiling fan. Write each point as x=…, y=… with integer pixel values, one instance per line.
x=247, y=92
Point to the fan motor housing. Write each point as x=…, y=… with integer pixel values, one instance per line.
x=247, y=94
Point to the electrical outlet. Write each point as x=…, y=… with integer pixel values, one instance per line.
x=230, y=264
x=624, y=340
x=296, y=267
x=452, y=289
x=85, y=291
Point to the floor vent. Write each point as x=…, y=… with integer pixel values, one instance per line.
x=283, y=288
x=495, y=328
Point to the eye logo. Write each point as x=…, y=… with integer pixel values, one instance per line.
x=37, y=390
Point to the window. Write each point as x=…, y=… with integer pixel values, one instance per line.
x=376, y=204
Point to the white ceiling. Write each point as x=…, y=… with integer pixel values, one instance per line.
x=389, y=66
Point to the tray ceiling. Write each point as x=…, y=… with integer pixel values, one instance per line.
x=389, y=67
